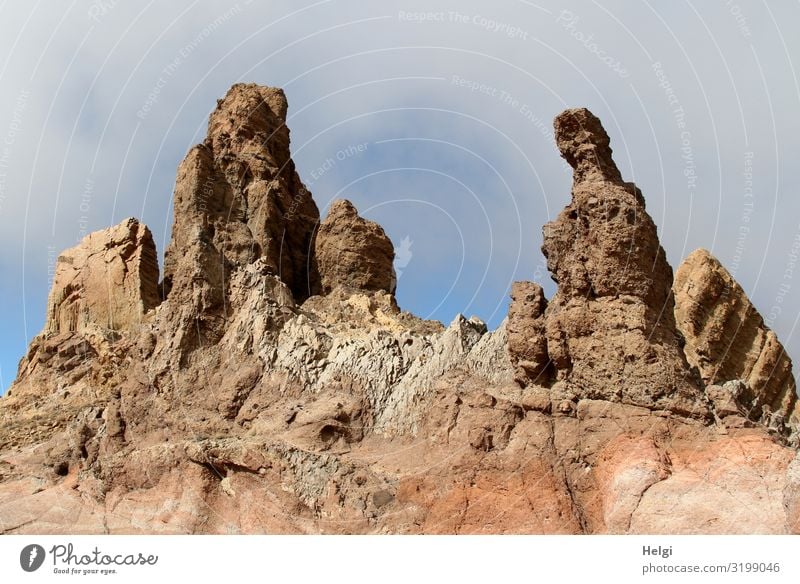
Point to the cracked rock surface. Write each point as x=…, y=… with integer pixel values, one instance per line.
x=269, y=383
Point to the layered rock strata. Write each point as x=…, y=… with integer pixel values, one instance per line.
x=727, y=339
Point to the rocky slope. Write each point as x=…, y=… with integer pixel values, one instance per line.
x=270, y=383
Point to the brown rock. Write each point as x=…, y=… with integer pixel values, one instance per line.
x=610, y=328
x=236, y=406
x=527, y=340
x=239, y=198
x=353, y=253
x=109, y=280
x=727, y=339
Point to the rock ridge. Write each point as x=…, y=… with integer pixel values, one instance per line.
x=270, y=383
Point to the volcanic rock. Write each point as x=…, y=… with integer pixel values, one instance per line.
x=109, y=280
x=354, y=253
x=527, y=338
x=727, y=339
x=611, y=331
x=279, y=388
x=238, y=197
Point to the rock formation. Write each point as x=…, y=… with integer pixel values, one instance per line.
x=109, y=281
x=527, y=337
x=727, y=340
x=354, y=253
x=274, y=385
x=238, y=198
x=611, y=331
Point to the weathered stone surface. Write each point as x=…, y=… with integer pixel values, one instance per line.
x=249, y=402
x=109, y=280
x=527, y=337
x=610, y=327
x=726, y=338
x=239, y=198
x=352, y=252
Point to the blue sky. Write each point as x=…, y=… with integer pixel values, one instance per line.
x=452, y=104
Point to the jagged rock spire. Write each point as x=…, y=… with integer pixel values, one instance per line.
x=238, y=198
x=610, y=328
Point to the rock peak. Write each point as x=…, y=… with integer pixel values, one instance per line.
x=342, y=208
x=353, y=252
x=238, y=199
x=585, y=145
x=255, y=399
x=610, y=328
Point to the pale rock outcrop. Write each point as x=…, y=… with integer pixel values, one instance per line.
x=727, y=339
x=109, y=280
x=352, y=252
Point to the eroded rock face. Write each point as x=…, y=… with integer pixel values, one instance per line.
x=726, y=338
x=238, y=197
x=352, y=252
x=610, y=327
x=250, y=402
x=109, y=280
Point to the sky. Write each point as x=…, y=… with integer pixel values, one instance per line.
x=434, y=118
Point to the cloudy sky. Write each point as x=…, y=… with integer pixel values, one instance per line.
x=437, y=116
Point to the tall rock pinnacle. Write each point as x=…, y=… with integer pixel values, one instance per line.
x=278, y=388
x=238, y=198
x=610, y=328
